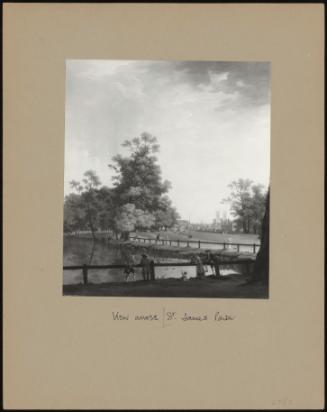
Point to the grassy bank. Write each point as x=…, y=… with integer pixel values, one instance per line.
x=232, y=286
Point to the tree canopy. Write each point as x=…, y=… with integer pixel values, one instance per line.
x=247, y=204
x=137, y=200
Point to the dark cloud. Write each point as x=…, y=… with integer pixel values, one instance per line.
x=250, y=79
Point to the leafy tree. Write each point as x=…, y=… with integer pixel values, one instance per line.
x=261, y=266
x=258, y=207
x=74, y=213
x=166, y=215
x=138, y=176
x=106, y=208
x=89, y=201
x=129, y=218
x=138, y=182
x=247, y=203
x=136, y=201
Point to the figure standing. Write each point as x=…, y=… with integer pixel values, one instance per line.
x=152, y=273
x=145, y=262
x=199, y=266
x=209, y=261
x=129, y=272
x=127, y=257
x=215, y=260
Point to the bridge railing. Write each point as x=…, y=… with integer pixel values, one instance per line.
x=254, y=247
x=85, y=268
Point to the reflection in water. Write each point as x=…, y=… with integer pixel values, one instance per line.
x=78, y=251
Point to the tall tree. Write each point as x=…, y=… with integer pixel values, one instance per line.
x=87, y=189
x=74, y=213
x=129, y=218
x=240, y=200
x=247, y=204
x=166, y=215
x=106, y=205
x=261, y=266
x=258, y=207
x=138, y=182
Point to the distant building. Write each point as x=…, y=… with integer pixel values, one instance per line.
x=182, y=225
x=235, y=226
x=216, y=225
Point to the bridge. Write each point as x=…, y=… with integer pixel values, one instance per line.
x=200, y=244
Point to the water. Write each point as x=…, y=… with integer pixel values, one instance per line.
x=77, y=252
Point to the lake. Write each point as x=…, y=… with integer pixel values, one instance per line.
x=77, y=252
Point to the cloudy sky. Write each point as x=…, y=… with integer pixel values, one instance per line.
x=212, y=121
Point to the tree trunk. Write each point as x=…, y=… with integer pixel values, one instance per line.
x=92, y=252
x=89, y=216
x=261, y=266
x=125, y=236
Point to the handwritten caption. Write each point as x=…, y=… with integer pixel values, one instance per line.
x=166, y=317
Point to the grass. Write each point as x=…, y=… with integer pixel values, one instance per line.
x=230, y=286
x=205, y=236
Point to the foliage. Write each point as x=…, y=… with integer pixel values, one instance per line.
x=138, y=182
x=137, y=199
x=129, y=218
x=247, y=203
x=166, y=215
x=261, y=266
x=138, y=176
x=85, y=206
x=106, y=208
x=74, y=214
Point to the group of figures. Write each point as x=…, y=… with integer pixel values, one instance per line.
x=148, y=273
x=147, y=269
x=202, y=264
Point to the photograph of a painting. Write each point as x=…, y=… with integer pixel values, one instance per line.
x=167, y=169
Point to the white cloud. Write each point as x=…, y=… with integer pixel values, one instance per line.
x=207, y=137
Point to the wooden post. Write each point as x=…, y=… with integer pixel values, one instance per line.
x=247, y=268
x=224, y=245
x=169, y=242
x=152, y=271
x=188, y=244
x=254, y=248
x=199, y=244
x=85, y=280
x=238, y=247
x=177, y=242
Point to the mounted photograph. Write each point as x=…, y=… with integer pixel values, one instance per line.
x=167, y=179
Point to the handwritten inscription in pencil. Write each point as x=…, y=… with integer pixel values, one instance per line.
x=169, y=316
